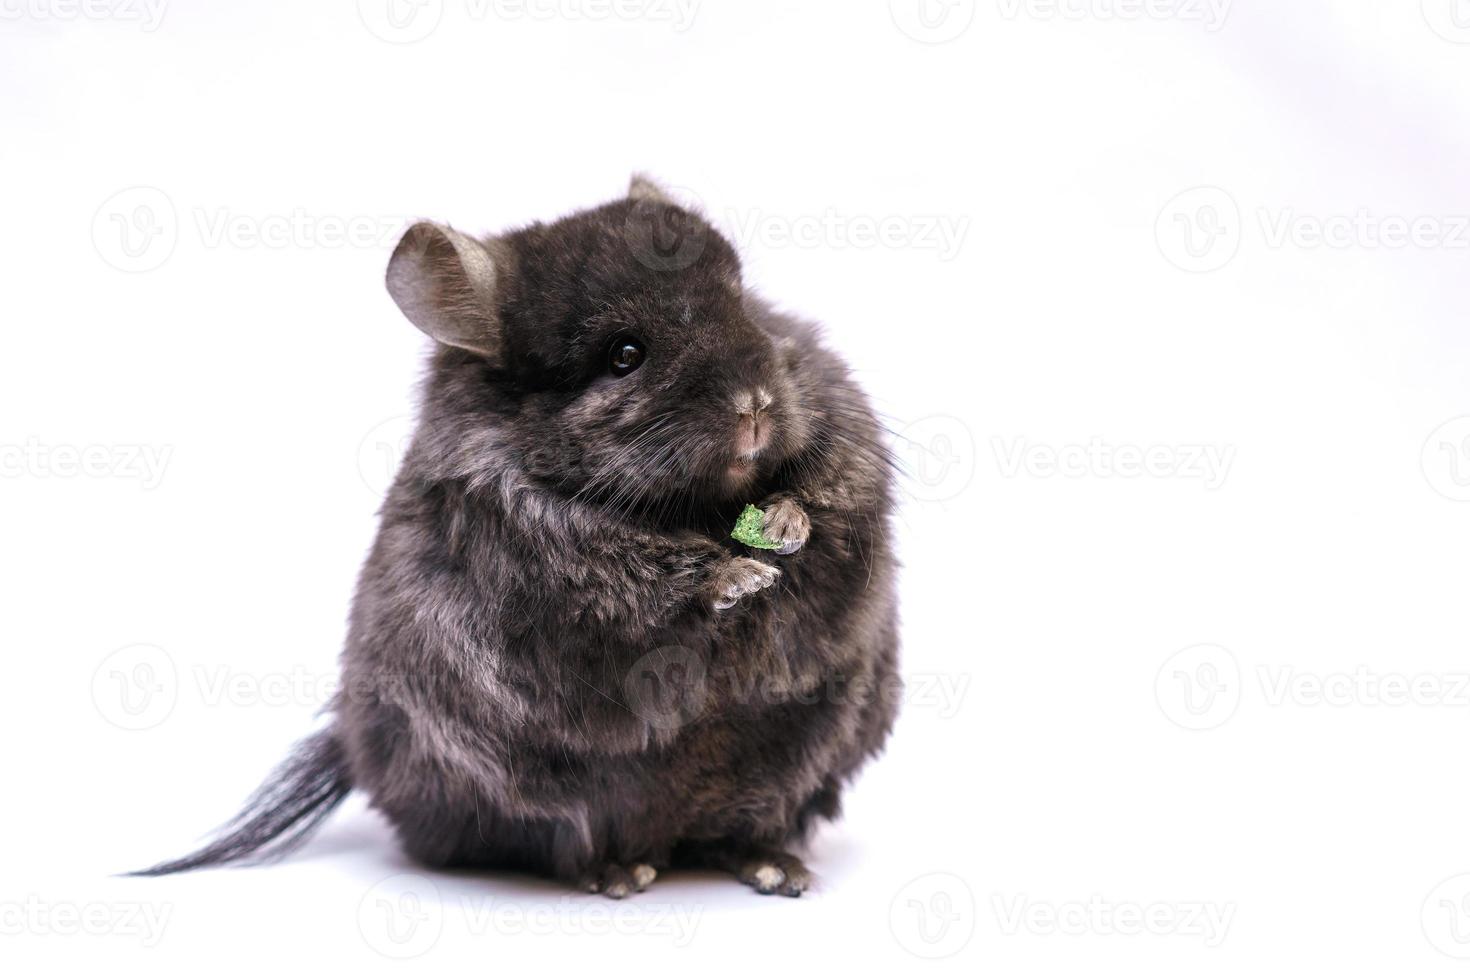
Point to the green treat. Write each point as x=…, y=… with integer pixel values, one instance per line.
x=748, y=529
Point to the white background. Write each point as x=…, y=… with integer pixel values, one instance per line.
x=202, y=386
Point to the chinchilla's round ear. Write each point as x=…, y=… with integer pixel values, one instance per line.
x=445, y=283
x=644, y=188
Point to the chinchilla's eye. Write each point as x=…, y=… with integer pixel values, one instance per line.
x=625, y=356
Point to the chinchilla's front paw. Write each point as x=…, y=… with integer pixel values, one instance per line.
x=737, y=577
x=787, y=523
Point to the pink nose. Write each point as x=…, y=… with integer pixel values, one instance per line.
x=752, y=426
x=752, y=432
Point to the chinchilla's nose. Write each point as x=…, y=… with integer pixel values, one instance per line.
x=752, y=424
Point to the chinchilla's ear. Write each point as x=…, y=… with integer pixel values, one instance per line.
x=644, y=188
x=445, y=283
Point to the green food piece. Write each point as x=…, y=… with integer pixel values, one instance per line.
x=749, y=527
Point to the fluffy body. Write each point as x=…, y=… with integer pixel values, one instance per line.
x=557, y=659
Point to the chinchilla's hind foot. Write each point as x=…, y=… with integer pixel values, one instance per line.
x=775, y=873
x=769, y=870
x=620, y=881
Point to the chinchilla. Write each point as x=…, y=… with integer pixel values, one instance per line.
x=558, y=660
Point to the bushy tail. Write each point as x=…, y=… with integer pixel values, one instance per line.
x=299, y=795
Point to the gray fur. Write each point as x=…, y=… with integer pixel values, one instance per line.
x=558, y=660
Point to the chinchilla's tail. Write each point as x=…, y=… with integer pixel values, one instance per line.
x=299, y=795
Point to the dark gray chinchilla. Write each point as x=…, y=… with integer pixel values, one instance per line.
x=559, y=661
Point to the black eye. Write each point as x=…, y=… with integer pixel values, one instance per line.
x=625, y=357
